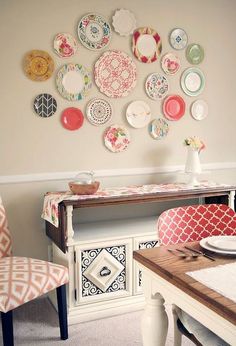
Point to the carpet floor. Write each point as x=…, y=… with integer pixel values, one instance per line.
x=36, y=323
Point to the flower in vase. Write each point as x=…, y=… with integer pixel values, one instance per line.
x=195, y=143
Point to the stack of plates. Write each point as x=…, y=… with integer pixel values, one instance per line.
x=223, y=244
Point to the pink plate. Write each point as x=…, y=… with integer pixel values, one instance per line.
x=173, y=107
x=72, y=118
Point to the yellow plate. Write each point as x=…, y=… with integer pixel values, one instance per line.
x=38, y=65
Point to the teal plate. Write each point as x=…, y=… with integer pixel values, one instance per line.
x=194, y=53
x=192, y=81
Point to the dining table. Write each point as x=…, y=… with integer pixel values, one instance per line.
x=189, y=283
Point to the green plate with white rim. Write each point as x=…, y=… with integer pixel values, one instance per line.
x=194, y=53
x=192, y=81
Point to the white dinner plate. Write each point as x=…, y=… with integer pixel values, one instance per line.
x=204, y=244
x=224, y=242
x=138, y=114
x=199, y=110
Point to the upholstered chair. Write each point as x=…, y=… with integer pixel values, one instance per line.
x=193, y=223
x=23, y=279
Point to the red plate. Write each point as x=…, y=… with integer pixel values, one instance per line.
x=173, y=107
x=72, y=118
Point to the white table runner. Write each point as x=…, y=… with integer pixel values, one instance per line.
x=221, y=279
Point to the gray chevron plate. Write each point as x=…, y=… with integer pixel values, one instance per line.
x=45, y=105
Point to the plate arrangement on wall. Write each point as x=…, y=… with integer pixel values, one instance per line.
x=124, y=22
x=115, y=73
x=170, y=63
x=73, y=82
x=94, y=31
x=178, y=39
x=156, y=86
x=116, y=138
x=146, y=44
x=158, y=128
x=99, y=111
x=192, y=81
x=138, y=114
x=199, y=109
x=65, y=45
x=45, y=105
x=38, y=65
x=72, y=118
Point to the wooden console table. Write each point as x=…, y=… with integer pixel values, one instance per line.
x=104, y=280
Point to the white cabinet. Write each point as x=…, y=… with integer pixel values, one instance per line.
x=104, y=278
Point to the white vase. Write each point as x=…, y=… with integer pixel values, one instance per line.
x=193, y=166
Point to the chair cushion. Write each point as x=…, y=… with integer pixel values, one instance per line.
x=23, y=279
x=5, y=237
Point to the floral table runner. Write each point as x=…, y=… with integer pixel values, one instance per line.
x=52, y=199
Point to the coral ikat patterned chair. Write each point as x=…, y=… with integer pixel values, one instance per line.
x=193, y=223
x=23, y=279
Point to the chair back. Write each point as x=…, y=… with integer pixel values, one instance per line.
x=193, y=223
x=5, y=236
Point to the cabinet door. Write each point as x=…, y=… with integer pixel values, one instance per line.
x=145, y=242
x=103, y=270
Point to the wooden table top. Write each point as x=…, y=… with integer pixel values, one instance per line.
x=173, y=269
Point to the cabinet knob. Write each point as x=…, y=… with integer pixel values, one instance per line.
x=105, y=271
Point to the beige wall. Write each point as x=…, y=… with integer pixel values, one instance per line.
x=30, y=144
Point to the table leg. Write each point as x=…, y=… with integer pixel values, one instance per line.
x=154, y=324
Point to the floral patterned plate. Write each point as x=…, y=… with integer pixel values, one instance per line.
x=116, y=138
x=38, y=65
x=194, y=53
x=98, y=111
x=138, y=114
x=173, y=107
x=156, y=86
x=170, y=63
x=72, y=118
x=146, y=45
x=94, y=31
x=178, y=39
x=158, y=128
x=73, y=82
x=192, y=81
x=65, y=45
x=115, y=73
x=124, y=22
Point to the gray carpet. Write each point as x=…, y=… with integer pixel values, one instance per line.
x=36, y=323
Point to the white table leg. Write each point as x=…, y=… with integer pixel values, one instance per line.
x=154, y=324
x=231, y=199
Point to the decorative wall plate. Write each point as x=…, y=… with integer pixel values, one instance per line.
x=138, y=114
x=115, y=73
x=65, y=45
x=38, y=65
x=178, y=39
x=192, y=81
x=158, y=128
x=173, y=107
x=94, y=31
x=72, y=118
x=73, y=82
x=116, y=138
x=124, y=22
x=156, y=86
x=98, y=111
x=199, y=109
x=170, y=63
x=194, y=53
x=45, y=105
x=146, y=44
